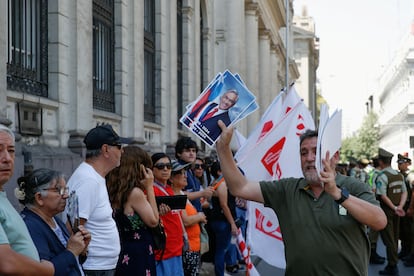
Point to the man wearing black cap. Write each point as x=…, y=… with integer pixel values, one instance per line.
x=393, y=195
x=103, y=153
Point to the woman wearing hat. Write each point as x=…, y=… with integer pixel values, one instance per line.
x=168, y=261
x=191, y=220
x=44, y=194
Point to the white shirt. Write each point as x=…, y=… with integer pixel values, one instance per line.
x=94, y=206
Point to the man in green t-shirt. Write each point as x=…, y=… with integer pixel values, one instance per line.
x=18, y=253
x=323, y=218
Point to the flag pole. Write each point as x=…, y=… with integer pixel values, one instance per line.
x=287, y=44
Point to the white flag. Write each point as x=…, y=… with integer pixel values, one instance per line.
x=238, y=140
x=268, y=121
x=279, y=107
x=275, y=156
x=329, y=135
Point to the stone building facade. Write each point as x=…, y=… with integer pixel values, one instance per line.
x=135, y=64
x=394, y=100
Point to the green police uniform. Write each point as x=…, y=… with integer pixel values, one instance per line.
x=391, y=184
x=406, y=233
x=320, y=237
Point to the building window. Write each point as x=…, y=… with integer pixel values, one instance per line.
x=150, y=90
x=180, y=109
x=27, y=69
x=103, y=55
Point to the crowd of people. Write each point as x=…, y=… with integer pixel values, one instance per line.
x=118, y=184
x=116, y=189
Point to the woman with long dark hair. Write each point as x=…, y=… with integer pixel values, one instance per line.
x=130, y=188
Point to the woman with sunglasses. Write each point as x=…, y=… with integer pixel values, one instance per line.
x=168, y=261
x=199, y=171
x=44, y=194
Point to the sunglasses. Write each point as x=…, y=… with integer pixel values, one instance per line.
x=119, y=146
x=161, y=166
x=199, y=166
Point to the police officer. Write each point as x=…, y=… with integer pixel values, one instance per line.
x=372, y=234
x=405, y=222
x=393, y=194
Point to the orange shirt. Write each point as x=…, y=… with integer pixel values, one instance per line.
x=193, y=231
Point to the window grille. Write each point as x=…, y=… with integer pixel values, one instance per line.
x=150, y=90
x=103, y=55
x=27, y=68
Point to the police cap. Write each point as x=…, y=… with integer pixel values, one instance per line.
x=402, y=159
x=383, y=154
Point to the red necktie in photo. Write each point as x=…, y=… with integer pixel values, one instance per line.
x=210, y=114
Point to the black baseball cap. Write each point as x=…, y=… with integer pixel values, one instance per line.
x=103, y=134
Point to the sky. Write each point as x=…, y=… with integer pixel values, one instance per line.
x=358, y=38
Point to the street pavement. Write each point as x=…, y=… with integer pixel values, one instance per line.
x=266, y=270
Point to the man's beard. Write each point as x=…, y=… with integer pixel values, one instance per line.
x=312, y=177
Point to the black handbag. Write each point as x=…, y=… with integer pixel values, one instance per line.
x=159, y=236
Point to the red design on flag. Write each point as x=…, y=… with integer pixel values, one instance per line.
x=288, y=109
x=300, y=126
x=266, y=226
x=271, y=157
x=266, y=128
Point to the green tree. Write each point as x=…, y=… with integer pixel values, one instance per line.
x=365, y=143
x=348, y=148
x=368, y=137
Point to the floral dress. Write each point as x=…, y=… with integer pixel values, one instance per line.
x=137, y=256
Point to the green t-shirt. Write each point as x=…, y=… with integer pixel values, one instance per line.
x=320, y=237
x=13, y=230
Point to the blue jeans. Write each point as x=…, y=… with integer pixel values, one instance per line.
x=222, y=231
x=241, y=215
x=232, y=255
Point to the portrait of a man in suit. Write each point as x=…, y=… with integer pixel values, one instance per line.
x=225, y=98
x=205, y=117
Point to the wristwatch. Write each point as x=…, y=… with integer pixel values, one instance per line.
x=344, y=196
